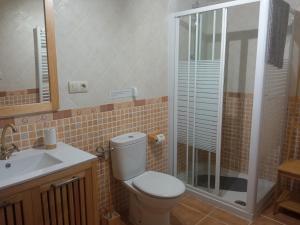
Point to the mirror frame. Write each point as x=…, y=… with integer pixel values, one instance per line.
x=53, y=105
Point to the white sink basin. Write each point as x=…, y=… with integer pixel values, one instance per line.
x=18, y=167
x=33, y=163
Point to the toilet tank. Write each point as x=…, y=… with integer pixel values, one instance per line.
x=128, y=155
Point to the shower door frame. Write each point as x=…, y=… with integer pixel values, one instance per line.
x=250, y=210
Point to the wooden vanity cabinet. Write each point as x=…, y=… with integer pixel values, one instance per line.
x=68, y=197
x=16, y=209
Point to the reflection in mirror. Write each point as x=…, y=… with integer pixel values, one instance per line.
x=23, y=53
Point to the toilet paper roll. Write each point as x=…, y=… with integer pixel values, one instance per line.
x=160, y=138
x=50, y=138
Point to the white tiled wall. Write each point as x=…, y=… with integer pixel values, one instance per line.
x=112, y=44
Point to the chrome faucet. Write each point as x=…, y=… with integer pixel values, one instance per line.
x=6, y=151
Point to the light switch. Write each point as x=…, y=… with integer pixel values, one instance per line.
x=78, y=87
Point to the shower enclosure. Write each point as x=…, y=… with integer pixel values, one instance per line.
x=227, y=105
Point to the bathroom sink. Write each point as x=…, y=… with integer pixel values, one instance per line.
x=33, y=162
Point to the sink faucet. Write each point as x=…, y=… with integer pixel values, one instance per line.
x=6, y=151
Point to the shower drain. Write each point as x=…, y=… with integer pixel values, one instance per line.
x=240, y=202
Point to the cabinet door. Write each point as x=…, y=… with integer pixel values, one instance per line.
x=65, y=201
x=16, y=210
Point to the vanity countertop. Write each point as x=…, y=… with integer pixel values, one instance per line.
x=34, y=163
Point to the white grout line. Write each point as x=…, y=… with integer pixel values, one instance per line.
x=196, y=210
x=243, y=218
x=220, y=208
x=269, y=218
x=206, y=217
x=214, y=208
x=201, y=220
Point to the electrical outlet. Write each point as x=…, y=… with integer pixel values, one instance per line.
x=78, y=87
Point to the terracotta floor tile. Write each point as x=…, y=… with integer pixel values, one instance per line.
x=228, y=218
x=265, y=221
x=193, y=211
x=182, y=215
x=283, y=216
x=211, y=221
x=197, y=204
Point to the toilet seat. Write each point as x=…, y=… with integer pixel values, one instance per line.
x=159, y=185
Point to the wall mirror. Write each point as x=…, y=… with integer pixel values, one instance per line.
x=28, y=73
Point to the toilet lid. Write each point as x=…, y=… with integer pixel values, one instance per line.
x=159, y=185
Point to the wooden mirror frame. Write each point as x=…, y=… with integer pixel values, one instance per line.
x=53, y=105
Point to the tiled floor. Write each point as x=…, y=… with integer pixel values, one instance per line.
x=193, y=211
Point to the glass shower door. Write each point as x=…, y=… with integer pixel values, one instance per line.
x=199, y=97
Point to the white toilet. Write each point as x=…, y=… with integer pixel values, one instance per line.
x=152, y=194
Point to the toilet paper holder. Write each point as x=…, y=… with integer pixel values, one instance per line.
x=156, y=137
x=103, y=152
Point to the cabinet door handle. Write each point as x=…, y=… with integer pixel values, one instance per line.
x=4, y=204
x=59, y=184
